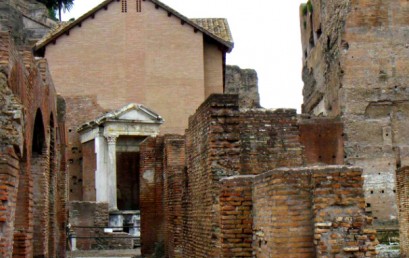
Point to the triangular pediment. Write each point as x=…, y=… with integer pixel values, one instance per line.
x=132, y=112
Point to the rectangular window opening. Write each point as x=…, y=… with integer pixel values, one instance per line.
x=138, y=6
x=124, y=5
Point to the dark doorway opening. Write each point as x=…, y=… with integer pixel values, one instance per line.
x=127, y=169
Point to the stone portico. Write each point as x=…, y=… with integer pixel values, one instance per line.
x=117, y=134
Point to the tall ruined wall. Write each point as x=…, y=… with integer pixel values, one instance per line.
x=402, y=177
x=243, y=82
x=29, y=122
x=355, y=68
x=222, y=141
x=212, y=152
x=173, y=187
x=151, y=194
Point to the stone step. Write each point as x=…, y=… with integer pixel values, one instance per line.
x=123, y=253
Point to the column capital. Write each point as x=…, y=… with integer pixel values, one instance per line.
x=111, y=139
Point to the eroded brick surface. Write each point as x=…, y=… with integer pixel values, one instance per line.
x=311, y=212
x=355, y=69
x=29, y=120
x=236, y=218
x=402, y=178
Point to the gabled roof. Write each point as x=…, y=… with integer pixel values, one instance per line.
x=132, y=112
x=209, y=27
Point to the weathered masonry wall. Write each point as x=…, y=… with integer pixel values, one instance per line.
x=174, y=187
x=212, y=152
x=219, y=201
x=151, y=194
x=243, y=82
x=311, y=212
x=87, y=220
x=32, y=173
x=402, y=177
x=322, y=139
x=355, y=69
x=269, y=139
x=236, y=218
x=9, y=175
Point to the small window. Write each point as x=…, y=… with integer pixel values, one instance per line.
x=124, y=4
x=138, y=6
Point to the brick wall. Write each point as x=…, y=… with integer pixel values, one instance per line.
x=151, y=194
x=312, y=212
x=9, y=176
x=212, y=152
x=236, y=218
x=89, y=163
x=40, y=173
x=79, y=110
x=88, y=220
x=85, y=218
x=402, y=178
x=283, y=215
x=27, y=91
x=269, y=139
x=174, y=183
x=322, y=139
x=160, y=64
x=355, y=69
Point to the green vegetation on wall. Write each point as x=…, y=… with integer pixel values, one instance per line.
x=307, y=7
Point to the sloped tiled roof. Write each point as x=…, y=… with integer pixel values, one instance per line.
x=217, y=26
x=216, y=29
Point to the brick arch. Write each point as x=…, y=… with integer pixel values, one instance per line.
x=26, y=208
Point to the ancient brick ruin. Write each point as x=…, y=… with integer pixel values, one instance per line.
x=32, y=171
x=216, y=176
x=223, y=196
x=355, y=69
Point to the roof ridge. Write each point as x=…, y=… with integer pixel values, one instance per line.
x=57, y=33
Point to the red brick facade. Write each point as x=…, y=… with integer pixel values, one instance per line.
x=32, y=158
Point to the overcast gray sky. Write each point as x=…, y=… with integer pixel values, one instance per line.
x=266, y=35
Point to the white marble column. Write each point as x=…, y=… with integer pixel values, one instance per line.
x=101, y=169
x=111, y=171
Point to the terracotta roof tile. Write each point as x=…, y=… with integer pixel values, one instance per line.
x=216, y=26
